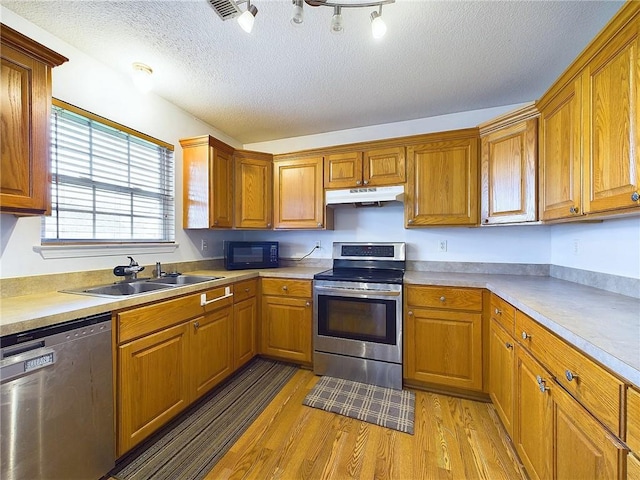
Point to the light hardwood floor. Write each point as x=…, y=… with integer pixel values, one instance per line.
x=454, y=439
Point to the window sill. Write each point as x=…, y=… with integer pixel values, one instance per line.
x=79, y=251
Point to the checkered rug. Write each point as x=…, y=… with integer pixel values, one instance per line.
x=382, y=406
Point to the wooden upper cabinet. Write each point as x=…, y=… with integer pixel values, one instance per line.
x=509, y=160
x=25, y=108
x=208, y=183
x=299, y=196
x=375, y=167
x=611, y=143
x=253, y=190
x=442, y=180
x=559, y=156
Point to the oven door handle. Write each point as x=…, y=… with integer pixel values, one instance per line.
x=339, y=290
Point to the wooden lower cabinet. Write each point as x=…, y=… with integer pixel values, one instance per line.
x=211, y=350
x=245, y=318
x=633, y=467
x=443, y=337
x=555, y=436
x=153, y=383
x=501, y=374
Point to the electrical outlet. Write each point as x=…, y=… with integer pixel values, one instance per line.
x=575, y=246
x=204, y=245
x=442, y=246
x=318, y=244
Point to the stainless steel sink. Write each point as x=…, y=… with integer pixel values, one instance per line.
x=141, y=286
x=181, y=279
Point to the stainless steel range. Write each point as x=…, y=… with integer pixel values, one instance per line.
x=357, y=308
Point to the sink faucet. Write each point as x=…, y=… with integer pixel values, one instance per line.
x=130, y=270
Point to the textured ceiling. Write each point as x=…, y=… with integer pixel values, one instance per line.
x=282, y=81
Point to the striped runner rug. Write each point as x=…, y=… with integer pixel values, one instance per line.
x=382, y=406
x=189, y=447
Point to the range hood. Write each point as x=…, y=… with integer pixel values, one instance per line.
x=365, y=196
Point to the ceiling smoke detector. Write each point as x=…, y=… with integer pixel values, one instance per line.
x=225, y=9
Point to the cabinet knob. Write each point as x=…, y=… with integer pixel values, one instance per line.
x=319, y=225
x=215, y=222
x=196, y=325
x=285, y=288
x=574, y=210
x=410, y=221
x=570, y=375
x=635, y=196
x=247, y=290
x=268, y=225
x=366, y=182
x=308, y=304
x=410, y=313
x=442, y=298
x=498, y=311
x=358, y=182
x=542, y=384
x=525, y=335
x=509, y=345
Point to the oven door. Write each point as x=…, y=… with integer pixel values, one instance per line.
x=357, y=319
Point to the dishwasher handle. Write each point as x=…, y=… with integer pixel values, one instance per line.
x=25, y=363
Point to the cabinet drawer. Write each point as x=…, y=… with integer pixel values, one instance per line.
x=594, y=387
x=144, y=320
x=244, y=290
x=445, y=298
x=286, y=287
x=633, y=420
x=503, y=312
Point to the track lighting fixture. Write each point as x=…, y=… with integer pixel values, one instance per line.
x=298, y=14
x=248, y=17
x=227, y=9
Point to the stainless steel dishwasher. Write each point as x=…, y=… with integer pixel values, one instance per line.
x=57, y=401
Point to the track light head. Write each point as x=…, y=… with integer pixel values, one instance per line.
x=378, y=27
x=336, y=20
x=297, y=16
x=248, y=17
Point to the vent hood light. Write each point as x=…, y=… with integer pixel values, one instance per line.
x=365, y=197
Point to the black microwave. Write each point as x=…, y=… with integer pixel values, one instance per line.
x=244, y=255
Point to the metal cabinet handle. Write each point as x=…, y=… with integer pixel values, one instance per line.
x=498, y=311
x=542, y=384
x=442, y=298
x=570, y=375
x=358, y=182
x=203, y=297
x=247, y=290
x=525, y=335
x=285, y=288
x=319, y=225
x=268, y=225
x=410, y=313
x=308, y=304
x=366, y=182
x=196, y=325
x=635, y=196
x=410, y=221
x=574, y=210
x=509, y=345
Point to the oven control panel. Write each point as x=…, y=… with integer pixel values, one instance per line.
x=385, y=251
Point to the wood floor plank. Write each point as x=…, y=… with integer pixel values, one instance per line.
x=453, y=439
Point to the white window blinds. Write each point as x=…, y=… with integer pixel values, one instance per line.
x=109, y=183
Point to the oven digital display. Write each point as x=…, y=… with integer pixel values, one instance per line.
x=368, y=251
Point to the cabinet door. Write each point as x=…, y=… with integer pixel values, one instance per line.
x=245, y=317
x=384, y=166
x=25, y=97
x=559, y=157
x=221, y=212
x=211, y=350
x=444, y=348
x=501, y=374
x=253, y=193
x=508, y=174
x=442, y=183
x=343, y=170
x=583, y=447
x=298, y=194
x=153, y=384
x=534, y=417
x=611, y=93
x=286, y=328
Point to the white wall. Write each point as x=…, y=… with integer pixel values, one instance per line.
x=85, y=82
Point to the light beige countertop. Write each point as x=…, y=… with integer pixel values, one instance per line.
x=26, y=312
x=604, y=325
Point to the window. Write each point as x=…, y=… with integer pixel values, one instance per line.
x=110, y=184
